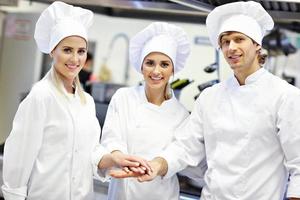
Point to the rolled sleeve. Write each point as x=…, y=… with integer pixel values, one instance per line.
x=98, y=154
x=294, y=188
x=14, y=193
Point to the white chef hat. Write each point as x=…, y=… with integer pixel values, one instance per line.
x=249, y=18
x=160, y=37
x=59, y=21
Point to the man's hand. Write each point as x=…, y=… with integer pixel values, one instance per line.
x=159, y=168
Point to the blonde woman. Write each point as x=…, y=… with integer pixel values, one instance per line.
x=141, y=120
x=53, y=148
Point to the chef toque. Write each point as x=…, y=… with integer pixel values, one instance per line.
x=160, y=37
x=249, y=18
x=59, y=21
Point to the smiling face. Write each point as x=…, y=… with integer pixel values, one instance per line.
x=69, y=57
x=240, y=52
x=157, y=68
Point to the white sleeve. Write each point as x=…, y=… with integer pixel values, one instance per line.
x=98, y=154
x=98, y=151
x=113, y=133
x=188, y=147
x=288, y=124
x=196, y=173
x=22, y=147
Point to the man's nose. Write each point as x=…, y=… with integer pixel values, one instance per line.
x=232, y=45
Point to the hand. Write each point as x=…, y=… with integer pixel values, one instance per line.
x=125, y=173
x=159, y=168
x=118, y=159
x=135, y=163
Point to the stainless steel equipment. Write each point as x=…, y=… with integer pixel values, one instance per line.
x=19, y=65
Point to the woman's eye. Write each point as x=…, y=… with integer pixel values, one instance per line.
x=67, y=50
x=81, y=52
x=149, y=63
x=165, y=65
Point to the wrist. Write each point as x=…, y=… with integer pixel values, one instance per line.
x=115, y=156
x=161, y=166
x=106, y=162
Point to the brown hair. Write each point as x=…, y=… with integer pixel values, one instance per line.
x=262, y=56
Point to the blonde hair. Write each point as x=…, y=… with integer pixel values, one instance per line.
x=58, y=83
x=168, y=89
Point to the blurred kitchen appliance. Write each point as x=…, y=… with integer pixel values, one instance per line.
x=20, y=65
x=277, y=43
x=214, y=67
x=178, y=85
x=102, y=94
x=205, y=85
x=9, y=2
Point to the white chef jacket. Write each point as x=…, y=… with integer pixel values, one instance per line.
x=137, y=127
x=49, y=152
x=250, y=135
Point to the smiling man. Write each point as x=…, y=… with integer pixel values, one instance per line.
x=248, y=126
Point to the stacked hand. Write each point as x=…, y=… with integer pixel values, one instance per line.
x=158, y=167
x=130, y=163
x=127, y=162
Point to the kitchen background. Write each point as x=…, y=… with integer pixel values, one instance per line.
x=116, y=21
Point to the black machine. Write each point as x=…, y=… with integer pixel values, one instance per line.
x=102, y=93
